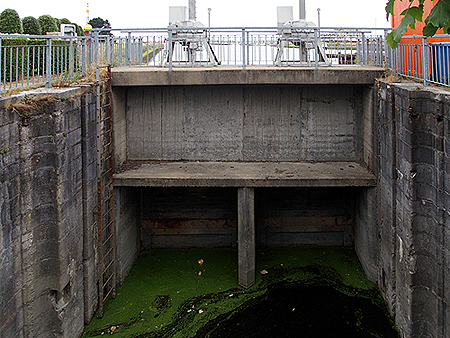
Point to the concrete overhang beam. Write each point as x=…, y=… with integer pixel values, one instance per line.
x=223, y=75
x=244, y=174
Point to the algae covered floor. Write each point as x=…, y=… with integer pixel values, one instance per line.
x=299, y=292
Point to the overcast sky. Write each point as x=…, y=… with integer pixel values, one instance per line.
x=224, y=13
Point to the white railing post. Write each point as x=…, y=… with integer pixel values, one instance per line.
x=316, y=49
x=243, y=49
x=128, y=51
x=425, y=61
x=170, y=48
x=71, y=59
x=364, y=51
x=48, y=64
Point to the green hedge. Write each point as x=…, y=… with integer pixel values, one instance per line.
x=18, y=53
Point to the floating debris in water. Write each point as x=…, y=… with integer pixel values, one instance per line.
x=200, y=261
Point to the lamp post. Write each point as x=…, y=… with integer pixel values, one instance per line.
x=318, y=19
x=209, y=23
x=209, y=17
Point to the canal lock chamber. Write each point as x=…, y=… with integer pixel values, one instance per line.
x=305, y=254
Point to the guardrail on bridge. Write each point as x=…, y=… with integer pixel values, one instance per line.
x=27, y=61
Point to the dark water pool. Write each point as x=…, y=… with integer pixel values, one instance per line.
x=293, y=310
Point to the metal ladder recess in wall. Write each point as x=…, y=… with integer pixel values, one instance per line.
x=105, y=197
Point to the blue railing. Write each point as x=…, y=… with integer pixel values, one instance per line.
x=418, y=58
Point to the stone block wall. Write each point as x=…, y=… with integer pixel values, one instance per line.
x=47, y=274
x=414, y=126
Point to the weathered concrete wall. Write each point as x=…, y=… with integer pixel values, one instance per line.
x=206, y=217
x=48, y=276
x=126, y=213
x=414, y=200
x=89, y=191
x=46, y=272
x=245, y=123
x=366, y=209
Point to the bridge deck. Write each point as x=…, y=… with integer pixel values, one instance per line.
x=253, y=75
x=244, y=174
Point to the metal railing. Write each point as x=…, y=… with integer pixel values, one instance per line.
x=203, y=46
x=27, y=61
x=418, y=58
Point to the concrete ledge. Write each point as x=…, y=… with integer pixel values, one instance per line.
x=223, y=75
x=244, y=174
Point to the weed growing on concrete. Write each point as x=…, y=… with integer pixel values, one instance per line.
x=28, y=104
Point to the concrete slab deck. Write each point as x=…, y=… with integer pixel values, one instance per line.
x=253, y=75
x=244, y=174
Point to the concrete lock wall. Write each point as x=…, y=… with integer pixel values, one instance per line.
x=413, y=204
x=48, y=255
x=207, y=217
x=244, y=123
x=48, y=243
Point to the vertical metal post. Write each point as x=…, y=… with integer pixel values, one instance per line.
x=90, y=49
x=83, y=56
x=425, y=60
x=128, y=51
x=209, y=24
x=96, y=48
x=364, y=52
x=387, y=50
x=248, y=48
x=316, y=49
x=302, y=10
x=141, y=50
x=107, y=50
x=170, y=48
x=48, y=64
x=71, y=59
x=243, y=48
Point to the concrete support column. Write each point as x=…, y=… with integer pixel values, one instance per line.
x=246, y=236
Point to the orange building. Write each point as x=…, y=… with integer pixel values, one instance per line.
x=400, y=6
x=411, y=48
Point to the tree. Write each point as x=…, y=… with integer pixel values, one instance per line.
x=439, y=17
x=65, y=21
x=79, y=30
x=10, y=22
x=31, y=26
x=48, y=24
x=100, y=23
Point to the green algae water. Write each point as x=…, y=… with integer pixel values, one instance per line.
x=301, y=292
